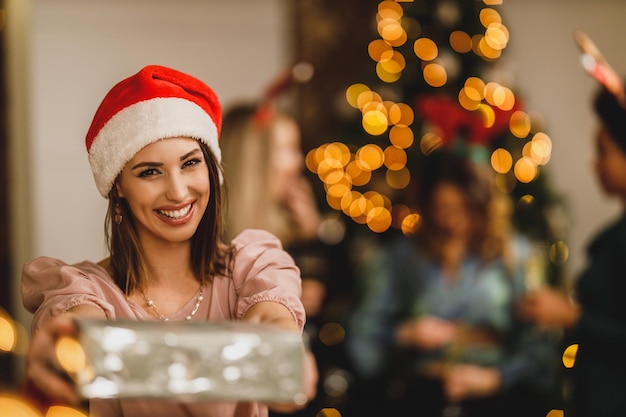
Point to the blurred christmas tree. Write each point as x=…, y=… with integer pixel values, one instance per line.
x=432, y=77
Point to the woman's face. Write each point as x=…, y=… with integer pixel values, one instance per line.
x=287, y=160
x=610, y=163
x=450, y=212
x=167, y=188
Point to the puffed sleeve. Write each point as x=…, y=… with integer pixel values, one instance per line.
x=50, y=287
x=263, y=271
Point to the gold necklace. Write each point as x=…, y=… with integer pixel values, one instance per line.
x=163, y=317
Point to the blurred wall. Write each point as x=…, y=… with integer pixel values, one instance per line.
x=65, y=54
x=550, y=78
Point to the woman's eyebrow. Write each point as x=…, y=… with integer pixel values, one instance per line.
x=188, y=154
x=147, y=164
x=158, y=164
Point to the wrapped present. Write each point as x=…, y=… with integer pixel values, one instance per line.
x=228, y=360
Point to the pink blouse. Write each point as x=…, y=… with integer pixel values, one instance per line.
x=261, y=271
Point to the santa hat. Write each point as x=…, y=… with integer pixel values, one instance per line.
x=156, y=103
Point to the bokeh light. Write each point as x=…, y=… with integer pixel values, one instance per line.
x=71, y=355
x=425, y=49
x=435, y=75
x=344, y=168
x=559, y=252
x=15, y=406
x=569, y=355
x=63, y=411
x=8, y=332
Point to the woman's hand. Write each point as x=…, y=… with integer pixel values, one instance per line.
x=426, y=332
x=470, y=381
x=43, y=369
x=273, y=313
x=548, y=308
x=310, y=379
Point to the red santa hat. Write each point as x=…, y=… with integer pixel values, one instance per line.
x=155, y=103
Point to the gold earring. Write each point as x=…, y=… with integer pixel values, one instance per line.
x=118, y=214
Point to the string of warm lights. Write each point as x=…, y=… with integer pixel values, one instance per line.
x=341, y=170
x=345, y=168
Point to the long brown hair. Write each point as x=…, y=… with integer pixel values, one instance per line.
x=208, y=253
x=490, y=209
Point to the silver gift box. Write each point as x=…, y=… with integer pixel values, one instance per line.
x=229, y=360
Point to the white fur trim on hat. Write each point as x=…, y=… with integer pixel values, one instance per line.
x=141, y=124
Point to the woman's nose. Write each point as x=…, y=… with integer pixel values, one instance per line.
x=176, y=187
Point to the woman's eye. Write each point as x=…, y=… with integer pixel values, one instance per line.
x=191, y=162
x=148, y=172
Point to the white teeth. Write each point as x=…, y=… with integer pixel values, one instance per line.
x=176, y=214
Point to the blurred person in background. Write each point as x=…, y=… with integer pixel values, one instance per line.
x=264, y=163
x=433, y=332
x=594, y=316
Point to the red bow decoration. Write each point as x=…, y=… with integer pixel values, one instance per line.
x=451, y=120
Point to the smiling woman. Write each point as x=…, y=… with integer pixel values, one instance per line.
x=154, y=153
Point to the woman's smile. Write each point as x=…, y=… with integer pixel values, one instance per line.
x=177, y=216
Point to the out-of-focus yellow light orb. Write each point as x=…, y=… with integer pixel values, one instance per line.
x=370, y=157
x=392, y=31
x=385, y=75
x=559, y=252
x=8, y=334
x=378, y=219
x=425, y=49
x=555, y=413
x=395, y=158
x=376, y=199
x=435, y=75
x=337, y=191
x=519, y=123
x=466, y=101
x=16, y=407
x=488, y=116
x=501, y=160
x=489, y=16
x=357, y=174
x=328, y=170
x=328, y=412
x=393, y=62
x=71, y=355
x=338, y=151
x=401, y=114
x=400, y=136
x=569, y=355
x=475, y=88
x=460, y=41
x=63, y=411
x=486, y=50
x=354, y=92
x=377, y=48
x=375, y=122
x=541, y=148
x=525, y=170
x=409, y=223
x=497, y=36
